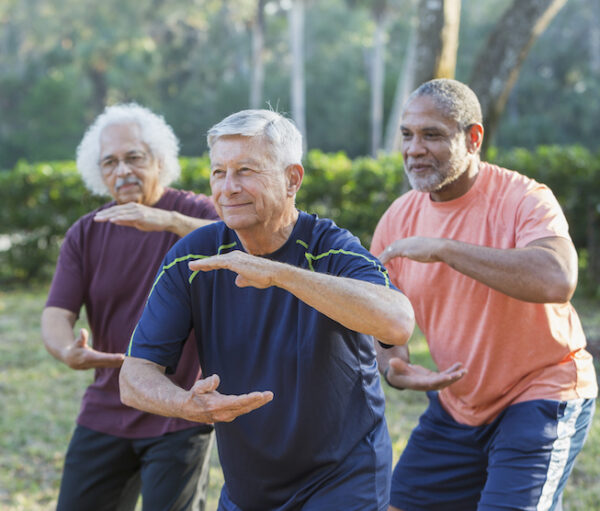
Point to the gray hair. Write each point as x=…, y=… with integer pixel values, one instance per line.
x=155, y=133
x=455, y=99
x=281, y=133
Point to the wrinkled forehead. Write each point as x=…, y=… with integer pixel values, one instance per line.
x=239, y=150
x=422, y=112
x=121, y=137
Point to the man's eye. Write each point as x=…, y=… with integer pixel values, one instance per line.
x=134, y=159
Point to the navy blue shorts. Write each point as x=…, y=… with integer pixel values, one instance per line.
x=519, y=461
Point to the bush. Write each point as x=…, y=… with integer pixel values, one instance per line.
x=40, y=201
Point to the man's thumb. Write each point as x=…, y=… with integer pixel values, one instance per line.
x=206, y=385
x=82, y=340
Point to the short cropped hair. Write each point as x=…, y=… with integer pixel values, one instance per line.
x=155, y=133
x=456, y=100
x=278, y=131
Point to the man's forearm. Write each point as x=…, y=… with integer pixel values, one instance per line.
x=361, y=306
x=533, y=273
x=144, y=386
x=183, y=225
x=57, y=331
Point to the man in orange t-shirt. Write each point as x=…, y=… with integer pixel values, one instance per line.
x=484, y=255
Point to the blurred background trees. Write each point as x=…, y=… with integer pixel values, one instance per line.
x=338, y=67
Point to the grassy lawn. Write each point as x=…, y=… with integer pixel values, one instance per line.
x=40, y=397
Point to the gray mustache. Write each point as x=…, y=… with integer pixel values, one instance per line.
x=129, y=180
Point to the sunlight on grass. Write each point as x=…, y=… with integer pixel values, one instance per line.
x=40, y=398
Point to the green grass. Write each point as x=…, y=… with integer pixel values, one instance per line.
x=39, y=401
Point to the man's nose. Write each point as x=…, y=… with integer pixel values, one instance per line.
x=231, y=183
x=122, y=169
x=414, y=146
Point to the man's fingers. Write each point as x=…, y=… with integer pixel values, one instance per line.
x=206, y=385
x=243, y=404
x=82, y=340
x=205, y=264
x=225, y=408
x=398, y=365
x=386, y=255
x=454, y=367
x=455, y=371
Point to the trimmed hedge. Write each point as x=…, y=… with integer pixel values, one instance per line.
x=40, y=201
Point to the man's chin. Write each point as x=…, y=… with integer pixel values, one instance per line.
x=125, y=197
x=423, y=185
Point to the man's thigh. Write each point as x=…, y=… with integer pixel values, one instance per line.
x=175, y=470
x=442, y=468
x=532, y=453
x=101, y=472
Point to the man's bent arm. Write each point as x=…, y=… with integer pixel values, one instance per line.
x=147, y=218
x=60, y=341
x=358, y=305
x=545, y=271
x=144, y=386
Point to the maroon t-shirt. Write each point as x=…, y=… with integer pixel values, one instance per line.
x=110, y=269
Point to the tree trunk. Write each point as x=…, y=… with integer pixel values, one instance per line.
x=498, y=65
x=437, y=39
x=594, y=38
x=297, y=76
x=377, y=70
x=97, y=75
x=404, y=86
x=258, y=65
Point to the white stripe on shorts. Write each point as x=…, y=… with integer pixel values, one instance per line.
x=565, y=429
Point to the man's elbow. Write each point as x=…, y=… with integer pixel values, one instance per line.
x=400, y=327
x=125, y=388
x=561, y=291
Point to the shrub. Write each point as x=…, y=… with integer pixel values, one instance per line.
x=40, y=201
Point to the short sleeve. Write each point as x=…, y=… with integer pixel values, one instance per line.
x=539, y=215
x=166, y=321
x=381, y=235
x=344, y=256
x=67, y=288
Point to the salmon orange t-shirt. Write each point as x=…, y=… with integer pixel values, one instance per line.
x=514, y=350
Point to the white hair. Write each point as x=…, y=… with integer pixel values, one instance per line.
x=281, y=133
x=155, y=133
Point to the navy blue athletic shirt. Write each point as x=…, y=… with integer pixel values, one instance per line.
x=327, y=396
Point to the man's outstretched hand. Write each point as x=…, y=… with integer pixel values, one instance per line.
x=402, y=375
x=205, y=404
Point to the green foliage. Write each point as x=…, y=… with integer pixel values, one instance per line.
x=62, y=61
x=40, y=201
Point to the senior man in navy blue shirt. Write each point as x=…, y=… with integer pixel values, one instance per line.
x=285, y=307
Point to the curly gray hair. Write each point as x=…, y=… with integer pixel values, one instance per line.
x=155, y=133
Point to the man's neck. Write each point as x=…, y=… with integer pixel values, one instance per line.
x=460, y=185
x=263, y=240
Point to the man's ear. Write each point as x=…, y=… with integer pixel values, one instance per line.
x=474, y=137
x=293, y=174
